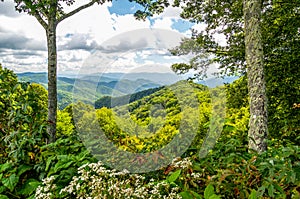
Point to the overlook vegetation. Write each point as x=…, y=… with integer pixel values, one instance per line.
x=31, y=167
x=185, y=140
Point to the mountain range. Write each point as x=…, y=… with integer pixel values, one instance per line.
x=89, y=88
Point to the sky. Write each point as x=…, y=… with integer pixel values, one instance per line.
x=102, y=38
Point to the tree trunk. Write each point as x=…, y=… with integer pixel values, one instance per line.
x=52, y=79
x=258, y=128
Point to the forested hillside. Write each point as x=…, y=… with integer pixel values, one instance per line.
x=145, y=125
x=137, y=138
x=91, y=87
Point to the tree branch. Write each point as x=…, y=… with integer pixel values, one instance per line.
x=77, y=10
x=40, y=19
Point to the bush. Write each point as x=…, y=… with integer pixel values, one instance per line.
x=22, y=132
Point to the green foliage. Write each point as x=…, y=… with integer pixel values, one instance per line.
x=22, y=129
x=171, y=178
x=281, y=46
x=62, y=158
x=237, y=93
x=283, y=115
x=150, y=123
x=209, y=193
x=228, y=171
x=281, y=41
x=25, y=156
x=64, y=125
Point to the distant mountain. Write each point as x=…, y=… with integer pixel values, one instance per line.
x=159, y=78
x=111, y=102
x=214, y=82
x=40, y=78
x=91, y=87
x=88, y=88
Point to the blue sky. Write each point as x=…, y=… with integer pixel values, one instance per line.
x=101, y=28
x=122, y=7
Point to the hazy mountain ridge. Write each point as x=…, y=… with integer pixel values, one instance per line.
x=88, y=88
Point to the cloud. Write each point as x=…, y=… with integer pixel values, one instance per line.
x=7, y=9
x=132, y=51
x=14, y=41
x=110, y=29
x=124, y=44
x=77, y=42
x=26, y=54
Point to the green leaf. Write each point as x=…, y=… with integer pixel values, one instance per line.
x=5, y=166
x=186, y=195
x=209, y=191
x=3, y=197
x=29, y=187
x=31, y=197
x=23, y=168
x=60, y=166
x=278, y=188
x=214, y=196
x=174, y=176
x=252, y=195
x=48, y=162
x=196, y=195
x=271, y=190
x=260, y=191
x=2, y=189
x=11, y=181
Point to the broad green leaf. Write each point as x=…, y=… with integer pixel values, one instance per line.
x=11, y=181
x=260, y=191
x=196, y=195
x=29, y=187
x=186, y=195
x=209, y=191
x=2, y=189
x=5, y=166
x=271, y=190
x=278, y=188
x=252, y=194
x=48, y=162
x=60, y=166
x=3, y=197
x=214, y=196
x=23, y=168
x=31, y=197
x=174, y=176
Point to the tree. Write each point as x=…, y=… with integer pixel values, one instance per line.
x=281, y=37
x=258, y=123
x=280, y=24
x=49, y=14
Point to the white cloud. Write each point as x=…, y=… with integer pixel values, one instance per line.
x=163, y=23
x=91, y=28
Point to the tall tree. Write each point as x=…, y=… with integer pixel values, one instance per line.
x=258, y=123
x=49, y=14
x=240, y=22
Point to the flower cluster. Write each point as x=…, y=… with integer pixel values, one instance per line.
x=184, y=163
x=45, y=191
x=95, y=181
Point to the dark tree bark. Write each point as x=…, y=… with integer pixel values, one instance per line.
x=258, y=128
